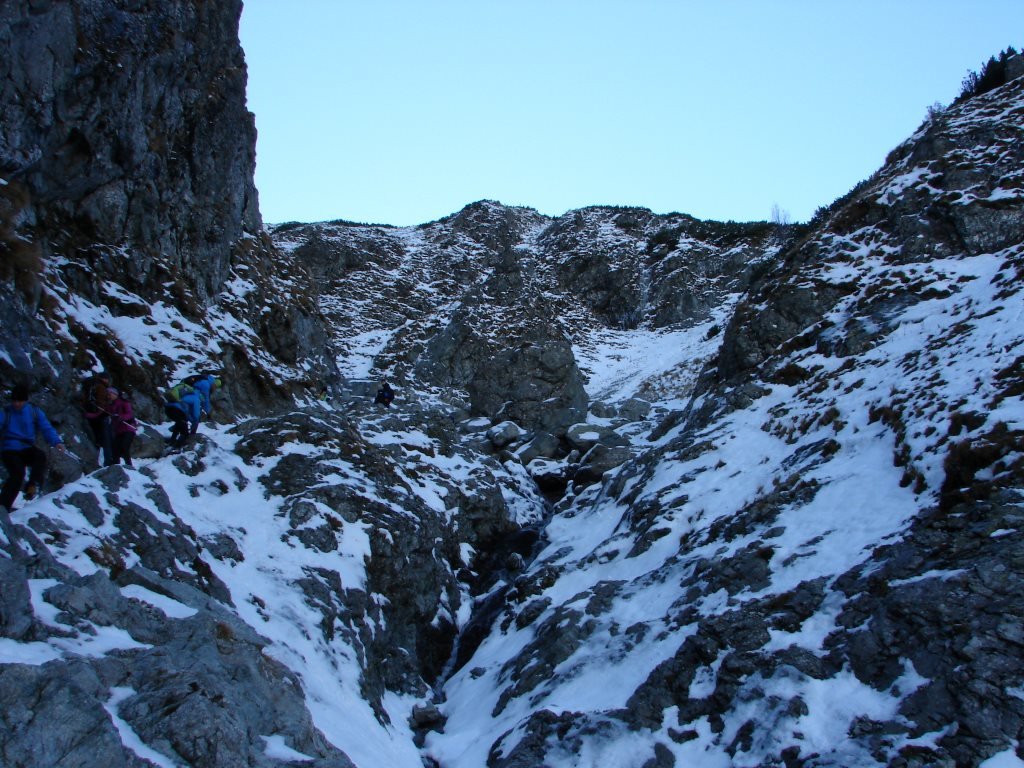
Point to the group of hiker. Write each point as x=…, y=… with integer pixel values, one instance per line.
x=110, y=416
x=113, y=425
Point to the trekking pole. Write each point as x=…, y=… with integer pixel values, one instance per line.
x=72, y=454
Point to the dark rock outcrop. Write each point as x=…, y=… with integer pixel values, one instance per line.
x=120, y=119
x=127, y=204
x=524, y=371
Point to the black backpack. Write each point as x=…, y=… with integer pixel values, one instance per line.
x=88, y=394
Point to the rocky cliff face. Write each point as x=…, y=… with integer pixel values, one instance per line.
x=492, y=301
x=110, y=114
x=128, y=215
x=653, y=491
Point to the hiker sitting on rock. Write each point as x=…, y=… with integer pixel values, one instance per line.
x=125, y=426
x=385, y=395
x=21, y=423
x=183, y=406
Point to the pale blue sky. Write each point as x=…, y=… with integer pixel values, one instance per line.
x=403, y=111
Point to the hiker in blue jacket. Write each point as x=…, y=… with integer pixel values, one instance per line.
x=184, y=407
x=21, y=423
x=205, y=386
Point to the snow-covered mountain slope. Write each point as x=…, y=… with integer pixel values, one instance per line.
x=337, y=543
x=442, y=304
x=820, y=563
x=654, y=491
x=339, y=558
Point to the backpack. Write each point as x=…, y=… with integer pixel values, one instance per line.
x=88, y=394
x=93, y=397
x=175, y=393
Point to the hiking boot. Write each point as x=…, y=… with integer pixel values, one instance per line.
x=30, y=491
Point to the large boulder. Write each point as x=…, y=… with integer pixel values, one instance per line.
x=504, y=433
x=598, y=460
x=585, y=436
x=634, y=409
x=523, y=372
x=542, y=445
x=551, y=476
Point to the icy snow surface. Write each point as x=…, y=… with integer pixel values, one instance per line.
x=657, y=364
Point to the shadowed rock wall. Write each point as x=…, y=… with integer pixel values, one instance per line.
x=126, y=123
x=127, y=204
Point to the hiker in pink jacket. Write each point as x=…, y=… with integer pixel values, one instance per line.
x=123, y=421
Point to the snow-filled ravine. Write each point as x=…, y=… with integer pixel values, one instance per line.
x=210, y=491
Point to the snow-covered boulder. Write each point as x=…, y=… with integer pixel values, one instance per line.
x=585, y=436
x=634, y=409
x=552, y=476
x=477, y=424
x=601, y=458
x=541, y=445
x=504, y=433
